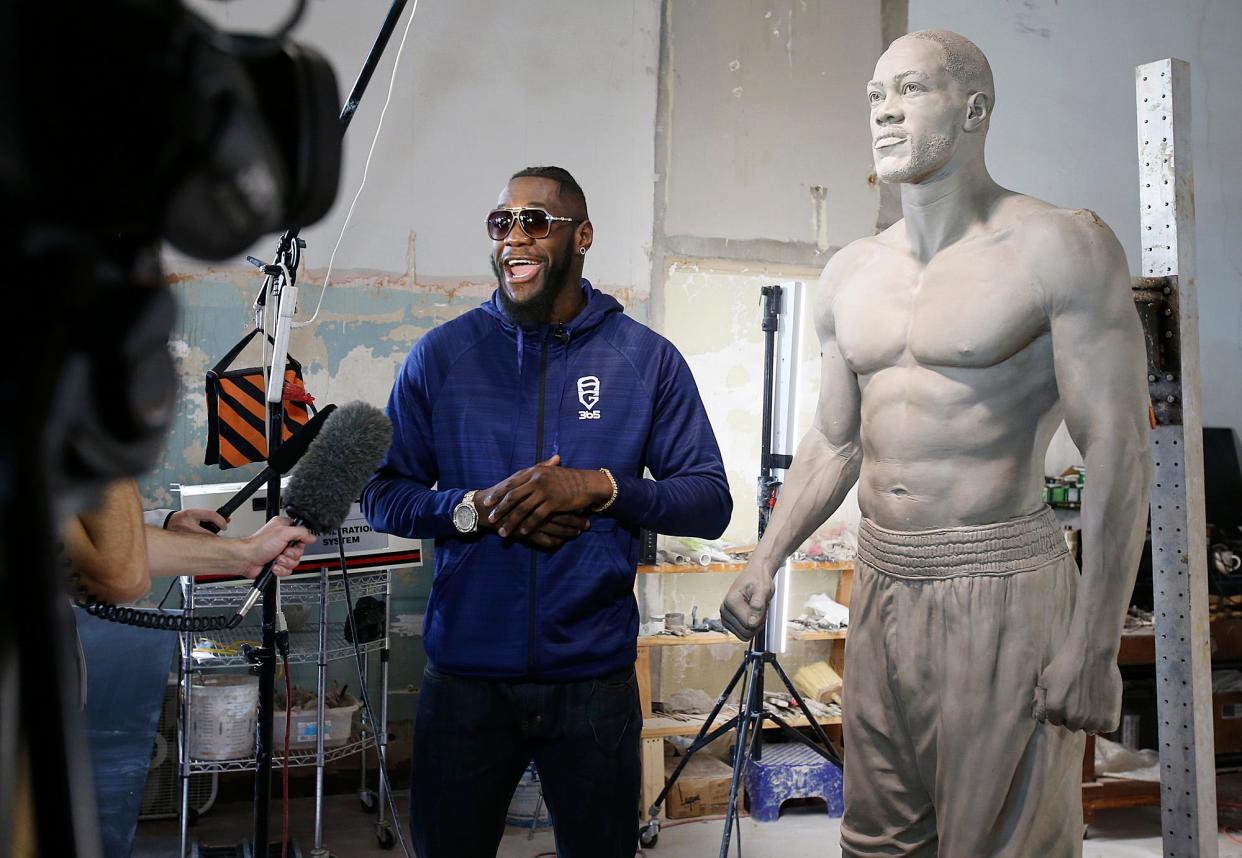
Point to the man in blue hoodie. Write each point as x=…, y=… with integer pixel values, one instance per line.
x=521, y=434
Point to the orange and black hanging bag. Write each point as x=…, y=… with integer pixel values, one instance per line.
x=237, y=409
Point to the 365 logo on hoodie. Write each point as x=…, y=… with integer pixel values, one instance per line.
x=588, y=395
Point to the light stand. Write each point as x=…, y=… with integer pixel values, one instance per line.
x=778, y=384
x=280, y=289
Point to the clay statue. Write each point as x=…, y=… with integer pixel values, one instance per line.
x=953, y=345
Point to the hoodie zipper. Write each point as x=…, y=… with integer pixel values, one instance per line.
x=534, y=554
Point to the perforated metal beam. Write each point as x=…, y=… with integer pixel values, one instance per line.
x=1167, y=301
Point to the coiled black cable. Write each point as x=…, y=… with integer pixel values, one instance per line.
x=152, y=619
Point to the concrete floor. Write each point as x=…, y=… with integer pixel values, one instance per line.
x=802, y=832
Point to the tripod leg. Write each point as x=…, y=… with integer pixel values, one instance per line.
x=702, y=739
x=833, y=754
x=748, y=720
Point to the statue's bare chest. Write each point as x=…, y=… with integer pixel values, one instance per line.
x=970, y=308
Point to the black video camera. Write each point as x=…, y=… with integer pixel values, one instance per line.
x=129, y=123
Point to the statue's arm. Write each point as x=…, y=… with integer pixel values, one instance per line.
x=824, y=468
x=1101, y=372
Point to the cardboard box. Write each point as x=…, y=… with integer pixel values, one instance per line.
x=702, y=789
x=1227, y=721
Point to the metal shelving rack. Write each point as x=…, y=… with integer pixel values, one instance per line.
x=318, y=645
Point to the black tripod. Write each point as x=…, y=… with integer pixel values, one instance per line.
x=749, y=721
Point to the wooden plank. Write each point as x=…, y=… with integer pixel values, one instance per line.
x=653, y=774
x=1137, y=648
x=692, y=639
x=845, y=585
x=661, y=727
x=808, y=635
x=642, y=670
x=845, y=588
x=734, y=568
x=1114, y=792
x=836, y=657
x=708, y=638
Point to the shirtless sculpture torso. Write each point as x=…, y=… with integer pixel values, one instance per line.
x=953, y=344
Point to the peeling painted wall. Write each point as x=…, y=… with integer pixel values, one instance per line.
x=483, y=90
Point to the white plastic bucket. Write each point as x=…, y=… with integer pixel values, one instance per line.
x=223, y=717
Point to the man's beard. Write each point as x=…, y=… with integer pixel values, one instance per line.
x=927, y=154
x=537, y=309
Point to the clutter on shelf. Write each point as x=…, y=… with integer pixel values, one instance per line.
x=689, y=550
x=821, y=613
x=1066, y=490
x=678, y=624
x=338, y=696
x=1138, y=619
x=818, y=681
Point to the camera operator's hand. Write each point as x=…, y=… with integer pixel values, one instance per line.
x=173, y=553
x=191, y=521
x=525, y=504
x=271, y=542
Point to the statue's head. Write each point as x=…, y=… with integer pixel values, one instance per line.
x=931, y=99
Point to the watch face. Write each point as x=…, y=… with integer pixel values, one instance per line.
x=465, y=518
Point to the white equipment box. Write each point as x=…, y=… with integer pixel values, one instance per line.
x=365, y=549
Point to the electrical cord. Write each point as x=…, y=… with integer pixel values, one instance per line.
x=167, y=593
x=365, y=169
x=148, y=618
x=284, y=775
x=367, y=711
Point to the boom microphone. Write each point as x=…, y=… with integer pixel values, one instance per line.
x=331, y=475
x=281, y=462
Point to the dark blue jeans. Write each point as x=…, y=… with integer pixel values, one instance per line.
x=474, y=738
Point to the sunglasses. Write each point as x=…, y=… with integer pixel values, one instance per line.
x=536, y=223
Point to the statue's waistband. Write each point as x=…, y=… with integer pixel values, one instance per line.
x=1006, y=548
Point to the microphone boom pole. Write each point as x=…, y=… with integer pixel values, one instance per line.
x=284, y=286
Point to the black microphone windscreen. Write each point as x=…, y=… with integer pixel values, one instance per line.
x=291, y=451
x=337, y=465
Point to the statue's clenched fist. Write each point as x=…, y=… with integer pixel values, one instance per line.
x=746, y=603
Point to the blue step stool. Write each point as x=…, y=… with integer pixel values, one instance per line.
x=791, y=770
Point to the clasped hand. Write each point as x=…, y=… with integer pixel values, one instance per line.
x=545, y=505
x=1079, y=691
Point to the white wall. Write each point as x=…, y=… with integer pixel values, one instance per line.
x=768, y=123
x=1064, y=131
x=485, y=89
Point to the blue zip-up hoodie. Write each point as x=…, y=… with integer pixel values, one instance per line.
x=480, y=398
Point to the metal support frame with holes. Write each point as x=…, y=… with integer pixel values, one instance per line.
x=1167, y=301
